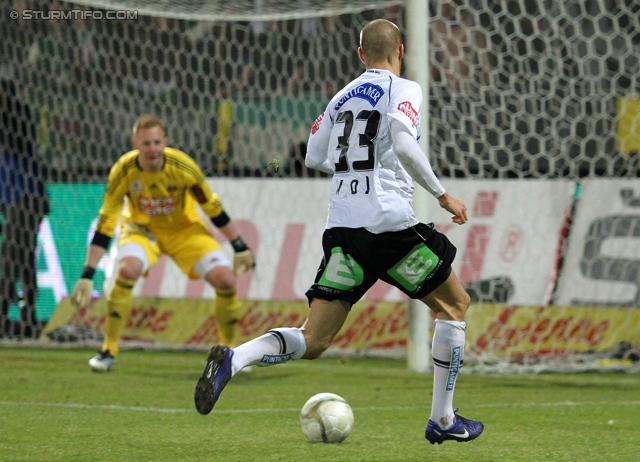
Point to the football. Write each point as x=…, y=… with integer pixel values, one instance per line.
x=326, y=418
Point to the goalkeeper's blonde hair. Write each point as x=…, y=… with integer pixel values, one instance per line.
x=147, y=121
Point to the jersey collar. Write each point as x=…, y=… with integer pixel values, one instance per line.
x=164, y=162
x=379, y=72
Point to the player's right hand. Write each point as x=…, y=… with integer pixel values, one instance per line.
x=81, y=295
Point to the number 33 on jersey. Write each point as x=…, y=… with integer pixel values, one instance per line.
x=370, y=188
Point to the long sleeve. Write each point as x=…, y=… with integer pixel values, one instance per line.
x=414, y=160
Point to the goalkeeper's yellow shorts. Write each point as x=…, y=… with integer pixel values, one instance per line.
x=186, y=245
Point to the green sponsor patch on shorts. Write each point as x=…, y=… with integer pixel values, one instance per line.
x=342, y=271
x=414, y=268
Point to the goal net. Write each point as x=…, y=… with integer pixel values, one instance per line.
x=533, y=118
x=543, y=90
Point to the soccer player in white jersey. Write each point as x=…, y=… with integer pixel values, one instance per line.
x=367, y=139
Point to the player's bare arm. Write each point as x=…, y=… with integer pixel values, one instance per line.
x=94, y=254
x=243, y=258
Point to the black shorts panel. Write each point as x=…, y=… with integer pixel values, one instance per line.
x=415, y=260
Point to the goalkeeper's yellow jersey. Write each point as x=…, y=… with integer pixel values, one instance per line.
x=157, y=200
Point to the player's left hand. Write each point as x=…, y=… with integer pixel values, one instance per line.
x=243, y=261
x=454, y=206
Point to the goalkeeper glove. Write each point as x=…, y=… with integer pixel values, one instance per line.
x=81, y=295
x=243, y=259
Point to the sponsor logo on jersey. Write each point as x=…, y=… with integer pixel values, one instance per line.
x=199, y=194
x=367, y=91
x=316, y=125
x=155, y=206
x=136, y=187
x=407, y=109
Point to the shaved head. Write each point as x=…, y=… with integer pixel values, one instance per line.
x=380, y=40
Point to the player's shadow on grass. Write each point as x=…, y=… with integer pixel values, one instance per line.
x=239, y=378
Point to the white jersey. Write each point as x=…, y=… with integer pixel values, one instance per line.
x=370, y=188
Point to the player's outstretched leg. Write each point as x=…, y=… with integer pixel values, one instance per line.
x=215, y=377
x=462, y=430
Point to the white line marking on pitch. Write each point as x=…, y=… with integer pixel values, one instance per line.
x=112, y=407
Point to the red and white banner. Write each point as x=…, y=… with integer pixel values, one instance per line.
x=497, y=330
x=282, y=222
x=602, y=262
x=511, y=238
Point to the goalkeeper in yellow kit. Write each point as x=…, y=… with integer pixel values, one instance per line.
x=162, y=186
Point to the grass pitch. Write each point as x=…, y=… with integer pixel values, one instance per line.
x=52, y=408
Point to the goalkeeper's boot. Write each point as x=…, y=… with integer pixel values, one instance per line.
x=102, y=362
x=462, y=430
x=214, y=378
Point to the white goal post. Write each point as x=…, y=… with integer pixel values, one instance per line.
x=417, y=65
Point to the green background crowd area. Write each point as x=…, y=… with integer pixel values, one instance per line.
x=53, y=409
x=62, y=250
x=87, y=132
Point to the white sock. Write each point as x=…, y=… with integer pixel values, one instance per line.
x=447, y=351
x=275, y=347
